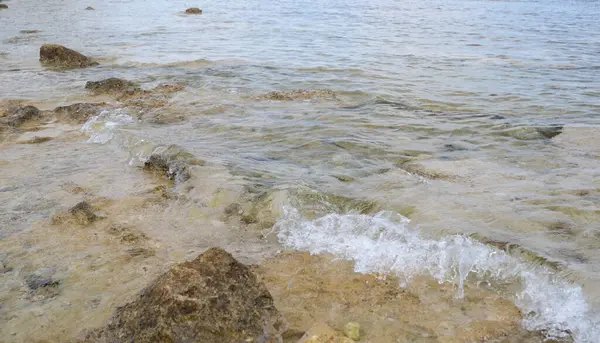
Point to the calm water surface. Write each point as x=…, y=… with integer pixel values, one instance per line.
x=445, y=113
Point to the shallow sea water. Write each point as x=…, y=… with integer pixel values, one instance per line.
x=435, y=158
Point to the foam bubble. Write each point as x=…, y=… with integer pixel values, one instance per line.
x=102, y=127
x=383, y=243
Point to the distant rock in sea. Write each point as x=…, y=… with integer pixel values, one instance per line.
x=193, y=10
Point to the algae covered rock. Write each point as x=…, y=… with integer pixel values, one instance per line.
x=17, y=116
x=111, y=86
x=172, y=160
x=82, y=213
x=352, y=331
x=79, y=112
x=60, y=56
x=212, y=299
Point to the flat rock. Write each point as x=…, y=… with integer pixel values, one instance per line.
x=212, y=299
x=3, y=6
x=111, y=85
x=60, y=56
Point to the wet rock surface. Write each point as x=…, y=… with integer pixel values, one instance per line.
x=322, y=333
x=172, y=161
x=300, y=94
x=17, y=116
x=82, y=214
x=28, y=32
x=193, y=10
x=212, y=299
x=89, y=8
x=63, y=57
x=111, y=85
x=80, y=112
x=3, y=6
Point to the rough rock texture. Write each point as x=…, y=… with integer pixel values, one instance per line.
x=212, y=299
x=112, y=85
x=193, y=10
x=79, y=112
x=27, y=32
x=300, y=94
x=82, y=214
x=322, y=333
x=173, y=161
x=60, y=56
x=89, y=8
x=17, y=116
x=3, y=6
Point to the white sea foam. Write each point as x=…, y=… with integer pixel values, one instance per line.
x=102, y=127
x=383, y=243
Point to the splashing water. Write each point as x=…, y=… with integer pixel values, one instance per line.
x=384, y=244
x=102, y=127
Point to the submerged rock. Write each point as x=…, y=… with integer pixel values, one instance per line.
x=300, y=94
x=111, y=86
x=60, y=56
x=352, y=331
x=36, y=140
x=82, y=214
x=27, y=32
x=172, y=160
x=79, y=112
x=17, y=116
x=322, y=333
x=532, y=133
x=193, y=10
x=212, y=299
x=89, y=8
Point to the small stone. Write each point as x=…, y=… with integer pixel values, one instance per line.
x=3, y=6
x=28, y=32
x=89, y=8
x=111, y=85
x=344, y=178
x=193, y=10
x=352, y=331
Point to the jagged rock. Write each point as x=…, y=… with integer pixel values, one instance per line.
x=193, y=10
x=111, y=86
x=60, y=56
x=212, y=299
x=173, y=161
x=17, y=116
x=322, y=333
x=82, y=214
x=79, y=112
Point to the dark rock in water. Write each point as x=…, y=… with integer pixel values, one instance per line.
x=497, y=117
x=212, y=299
x=111, y=86
x=36, y=281
x=82, y=214
x=3, y=6
x=27, y=32
x=89, y=8
x=60, y=56
x=18, y=116
x=79, y=112
x=173, y=161
x=193, y=10
x=550, y=131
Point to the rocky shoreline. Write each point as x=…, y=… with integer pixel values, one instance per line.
x=214, y=298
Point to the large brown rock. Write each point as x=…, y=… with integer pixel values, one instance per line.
x=193, y=10
x=19, y=115
x=212, y=299
x=60, y=56
x=79, y=112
